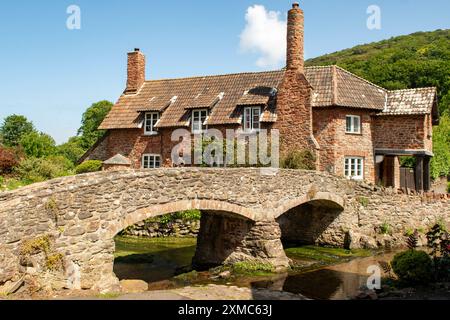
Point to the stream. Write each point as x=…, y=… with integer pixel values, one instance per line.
x=319, y=273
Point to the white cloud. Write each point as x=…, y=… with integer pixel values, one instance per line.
x=264, y=34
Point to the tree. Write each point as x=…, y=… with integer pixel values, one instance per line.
x=38, y=145
x=71, y=150
x=14, y=128
x=440, y=164
x=92, y=119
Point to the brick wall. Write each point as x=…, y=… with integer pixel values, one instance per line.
x=403, y=132
x=335, y=144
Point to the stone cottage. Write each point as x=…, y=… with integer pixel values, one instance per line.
x=354, y=127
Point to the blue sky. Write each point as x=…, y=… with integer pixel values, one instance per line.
x=52, y=74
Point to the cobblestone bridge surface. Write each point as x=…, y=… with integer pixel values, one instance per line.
x=60, y=233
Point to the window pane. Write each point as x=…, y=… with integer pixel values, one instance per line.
x=256, y=117
x=349, y=124
x=356, y=125
x=247, y=119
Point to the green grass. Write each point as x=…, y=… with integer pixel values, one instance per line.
x=252, y=268
x=187, y=277
x=326, y=255
x=108, y=295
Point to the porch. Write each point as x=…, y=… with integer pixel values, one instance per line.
x=390, y=174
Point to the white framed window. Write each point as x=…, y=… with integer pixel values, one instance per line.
x=151, y=119
x=151, y=161
x=354, y=168
x=252, y=119
x=353, y=124
x=198, y=120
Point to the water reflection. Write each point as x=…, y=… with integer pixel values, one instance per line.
x=156, y=261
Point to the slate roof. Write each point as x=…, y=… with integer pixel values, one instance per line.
x=225, y=96
x=118, y=159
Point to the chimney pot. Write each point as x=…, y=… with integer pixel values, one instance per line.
x=295, y=5
x=137, y=49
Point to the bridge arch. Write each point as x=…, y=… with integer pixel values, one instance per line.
x=172, y=207
x=307, y=222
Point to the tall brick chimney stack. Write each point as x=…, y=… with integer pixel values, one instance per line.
x=295, y=39
x=136, y=71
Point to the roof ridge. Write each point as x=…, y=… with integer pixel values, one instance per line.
x=218, y=75
x=361, y=78
x=320, y=67
x=411, y=89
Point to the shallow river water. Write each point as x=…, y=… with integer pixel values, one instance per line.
x=158, y=261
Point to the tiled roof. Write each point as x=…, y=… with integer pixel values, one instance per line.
x=410, y=101
x=225, y=95
x=125, y=114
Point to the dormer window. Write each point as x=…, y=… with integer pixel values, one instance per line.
x=252, y=119
x=151, y=119
x=199, y=117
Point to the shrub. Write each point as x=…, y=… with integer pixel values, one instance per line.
x=189, y=215
x=412, y=267
x=37, y=170
x=8, y=160
x=385, y=228
x=89, y=166
x=304, y=160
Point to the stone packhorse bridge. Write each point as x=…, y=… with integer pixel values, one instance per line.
x=61, y=233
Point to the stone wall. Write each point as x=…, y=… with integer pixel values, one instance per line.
x=178, y=228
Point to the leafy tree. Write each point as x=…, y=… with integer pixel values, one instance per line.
x=38, y=145
x=14, y=128
x=440, y=164
x=92, y=119
x=71, y=150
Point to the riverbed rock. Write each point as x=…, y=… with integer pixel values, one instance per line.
x=366, y=295
x=225, y=274
x=133, y=286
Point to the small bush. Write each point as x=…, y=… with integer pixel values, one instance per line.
x=89, y=166
x=8, y=160
x=37, y=170
x=189, y=215
x=300, y=160
x=413, y=267
x=385, y=228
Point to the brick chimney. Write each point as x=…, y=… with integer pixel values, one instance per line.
x=294, y=111
x=295, y=39
x=136, y=71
